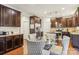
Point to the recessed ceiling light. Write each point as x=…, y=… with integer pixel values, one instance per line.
x=63, y=8
x=13, y=12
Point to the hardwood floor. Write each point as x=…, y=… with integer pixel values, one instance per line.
x=25, y=48
x=72, y=51
x=18, y=51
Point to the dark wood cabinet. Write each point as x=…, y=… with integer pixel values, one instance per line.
x=59, y=21
x=77, y=16
x=78, y=21
x=2, y=45
x=21, y=39
x=69, y=22
x=9, y=43
x=18, y=41
x=53, y=21
x=18, y=16
x=2, y=16
x=63, y=22
x=74, y=22
x=9, y=17
x=6, y=16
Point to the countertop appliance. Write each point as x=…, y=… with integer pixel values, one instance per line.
x=3, y=33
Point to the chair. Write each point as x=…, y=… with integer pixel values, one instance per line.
x=62, y=50
x=32, y=37
x=35, y=48
x=65, y=43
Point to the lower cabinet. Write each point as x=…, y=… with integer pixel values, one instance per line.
x=2, y=45
x=11, y=43
x=21, y=40
x=75, y=41
x=18, y=41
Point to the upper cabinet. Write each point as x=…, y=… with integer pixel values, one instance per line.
x=77, y=16
x=69, y=22
x=74, y=22
x=63, y=22
x=57, y=21
x=16, y=18
x=53, y=21
x=9, y=17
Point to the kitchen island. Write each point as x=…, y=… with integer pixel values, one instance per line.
x=75, y=40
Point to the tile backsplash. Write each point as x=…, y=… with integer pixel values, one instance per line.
x=15, y=30
x=71, y=29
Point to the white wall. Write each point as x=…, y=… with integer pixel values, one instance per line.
x=46, y=24
x=25, y=26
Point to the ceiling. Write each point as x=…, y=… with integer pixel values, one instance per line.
x=46, y=10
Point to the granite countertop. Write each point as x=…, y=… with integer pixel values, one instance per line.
x=9, y=35
x=75, y=33
x=36, y=40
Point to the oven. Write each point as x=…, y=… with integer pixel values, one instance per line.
x=2, y=45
